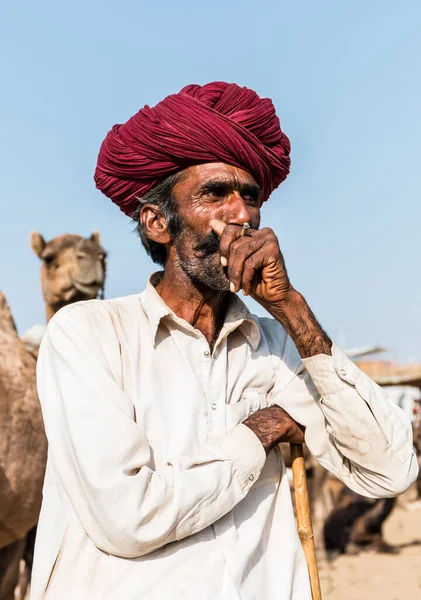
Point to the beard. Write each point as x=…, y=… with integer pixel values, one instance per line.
x=202, y=262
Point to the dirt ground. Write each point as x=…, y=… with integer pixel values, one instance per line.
x=380, y=576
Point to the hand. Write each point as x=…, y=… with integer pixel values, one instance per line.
x=274, y=425
x=254, y=261
x=255, y=264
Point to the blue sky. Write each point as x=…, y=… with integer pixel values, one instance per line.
x=345, y=78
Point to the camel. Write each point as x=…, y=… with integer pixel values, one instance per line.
x=73, y=268
x=355, y=524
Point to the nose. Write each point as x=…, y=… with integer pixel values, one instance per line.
x=238, y=211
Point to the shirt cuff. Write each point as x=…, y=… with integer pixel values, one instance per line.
x=246, y=451
x=331, y=374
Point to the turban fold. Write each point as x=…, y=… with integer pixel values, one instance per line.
x=217, y=122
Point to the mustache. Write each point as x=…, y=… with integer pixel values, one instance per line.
x=208, y=246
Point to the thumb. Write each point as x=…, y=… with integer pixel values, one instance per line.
x=218, y=226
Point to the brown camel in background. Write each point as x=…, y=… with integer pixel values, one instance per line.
x=73, y=269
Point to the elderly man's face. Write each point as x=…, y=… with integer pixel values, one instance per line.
x=206, y=192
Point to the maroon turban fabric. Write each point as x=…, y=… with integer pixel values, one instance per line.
x=217, y=122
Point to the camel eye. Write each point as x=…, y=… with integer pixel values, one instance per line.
x=49, y=259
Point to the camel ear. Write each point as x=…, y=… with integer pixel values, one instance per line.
x=95, y=237
x=37, y=243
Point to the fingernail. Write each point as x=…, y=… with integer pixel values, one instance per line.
x=232, y=287
x=224, y=261
x=244, y=293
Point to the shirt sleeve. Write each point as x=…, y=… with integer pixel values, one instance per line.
x=352, y=428
x=103, y=459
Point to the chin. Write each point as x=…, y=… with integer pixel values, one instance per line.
x=206, y=272
x=220, y=286
x=218, y=282
x=212, y=277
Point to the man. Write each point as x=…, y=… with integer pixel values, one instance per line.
x=163, y=410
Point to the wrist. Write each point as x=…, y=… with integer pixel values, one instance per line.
x=268, y=427
x=287, y=309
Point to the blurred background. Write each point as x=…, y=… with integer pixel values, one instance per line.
x=345, y=79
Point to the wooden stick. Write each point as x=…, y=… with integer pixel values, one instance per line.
x=302, y=507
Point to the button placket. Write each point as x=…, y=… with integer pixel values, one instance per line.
x=217, y=390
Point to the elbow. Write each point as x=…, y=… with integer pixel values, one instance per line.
x=123, y=545
x=131, y=540
x=400, y=479
x=405, y=476
x=389, y=480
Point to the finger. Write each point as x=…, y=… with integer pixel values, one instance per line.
x=252, y=269
x=226, y=234
x=230, y=234
x=239, y=252
x=298, y=434
x=218, y=226
x=297, y=438
x=252, y=265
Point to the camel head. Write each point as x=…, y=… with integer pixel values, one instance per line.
x=73, y=268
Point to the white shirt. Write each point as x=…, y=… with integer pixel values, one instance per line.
x=154, y=489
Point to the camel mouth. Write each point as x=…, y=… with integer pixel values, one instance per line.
x=88, y=289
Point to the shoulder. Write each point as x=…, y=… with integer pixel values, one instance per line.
x=280, y=344
x=272, y=330
x=97, y=315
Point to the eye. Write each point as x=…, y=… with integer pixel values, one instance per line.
x=252, y=199
x=49, y=259
x=215, y=194
x=215, y=191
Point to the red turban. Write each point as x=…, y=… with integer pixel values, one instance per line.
x=217, y=122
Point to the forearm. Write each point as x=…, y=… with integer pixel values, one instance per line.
x=298, y=320
x=351, y=427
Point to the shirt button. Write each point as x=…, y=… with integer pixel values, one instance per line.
x=343, y=372
x=206, y=353
x=214, y=407
x=251, y=477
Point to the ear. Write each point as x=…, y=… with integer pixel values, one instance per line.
x=155, y=224
x=37, y=243
x=95, y=237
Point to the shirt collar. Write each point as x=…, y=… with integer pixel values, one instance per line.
x=237, y=315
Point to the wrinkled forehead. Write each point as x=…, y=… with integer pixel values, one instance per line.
x=197, y=175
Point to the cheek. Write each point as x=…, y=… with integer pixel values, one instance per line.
x=59, y=279
x=196, y=222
